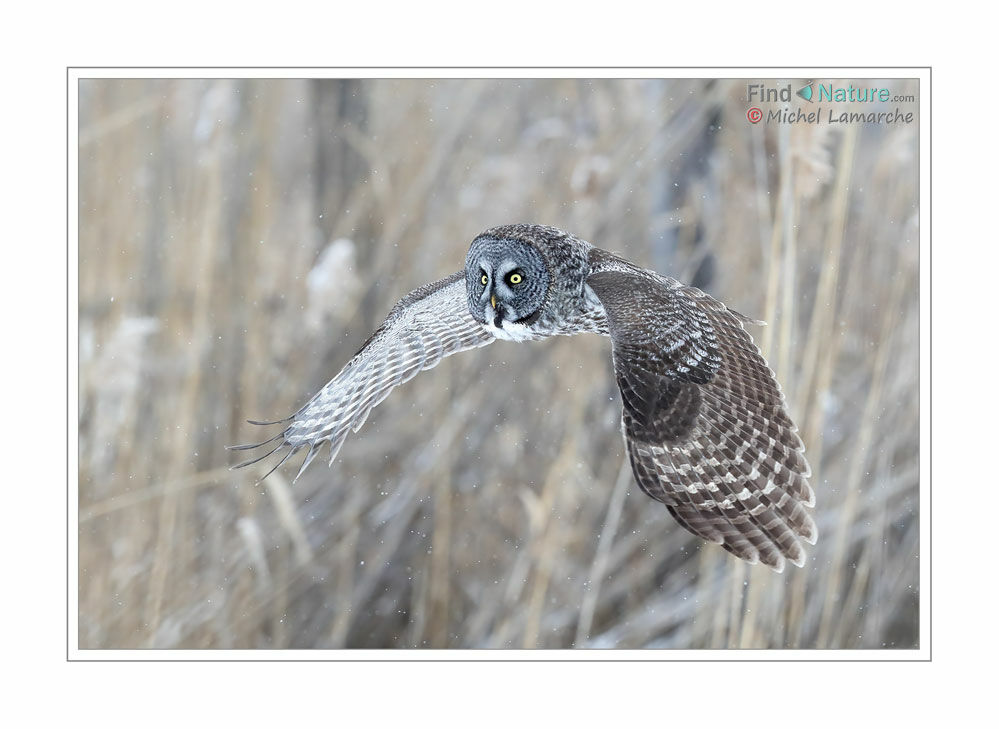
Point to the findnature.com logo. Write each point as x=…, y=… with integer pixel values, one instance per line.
x=829, y=93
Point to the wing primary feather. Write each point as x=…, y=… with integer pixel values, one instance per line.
x=271, y=422
x=276, y=448
x=335, y=445
x=291, y=451
x=313, y=452
x=251, y=446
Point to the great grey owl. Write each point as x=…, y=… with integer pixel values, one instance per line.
x=704, y=419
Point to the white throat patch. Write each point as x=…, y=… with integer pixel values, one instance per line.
x=511, y=332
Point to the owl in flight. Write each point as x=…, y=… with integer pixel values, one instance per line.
x=704, y=419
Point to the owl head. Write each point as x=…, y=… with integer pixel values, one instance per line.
x=507, y=280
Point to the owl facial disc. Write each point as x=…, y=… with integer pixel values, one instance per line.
x=506, y=281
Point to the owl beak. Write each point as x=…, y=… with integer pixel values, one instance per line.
x=493, y=300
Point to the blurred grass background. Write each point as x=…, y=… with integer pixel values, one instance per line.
x=240, y=239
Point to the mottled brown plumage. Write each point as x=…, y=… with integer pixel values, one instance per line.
x=704, y=418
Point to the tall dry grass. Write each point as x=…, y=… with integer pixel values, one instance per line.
x=240, y=239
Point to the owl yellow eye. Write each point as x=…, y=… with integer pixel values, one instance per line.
x=516, y=278
x=484, y=279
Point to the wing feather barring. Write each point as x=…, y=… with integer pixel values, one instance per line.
x=705, y=422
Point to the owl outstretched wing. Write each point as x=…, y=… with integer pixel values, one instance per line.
x=706, y=427
x=426, y=326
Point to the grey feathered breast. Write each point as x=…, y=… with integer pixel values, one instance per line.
x=705, y=422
